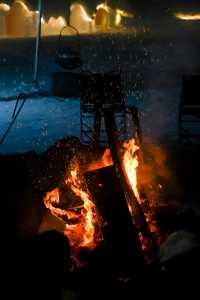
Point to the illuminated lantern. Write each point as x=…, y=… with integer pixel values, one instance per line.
x=102, y=18
x=80, y=19
x=107, y=18
x=53, y=26
x=20, y=22
x=4, y=10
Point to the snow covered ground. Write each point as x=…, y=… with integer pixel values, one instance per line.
x=40, y=124
x=43, y=121
x=152, y=69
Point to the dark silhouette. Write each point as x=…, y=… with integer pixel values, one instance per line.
x=44, y=266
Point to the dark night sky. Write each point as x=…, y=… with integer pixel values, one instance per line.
x=142, y=7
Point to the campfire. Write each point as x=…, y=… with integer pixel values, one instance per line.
x=73, y=203
x=105, y=225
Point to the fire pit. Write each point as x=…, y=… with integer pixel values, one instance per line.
x=85, y=199
x=91, y=215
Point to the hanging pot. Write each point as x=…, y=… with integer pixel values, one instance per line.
x=67, y=57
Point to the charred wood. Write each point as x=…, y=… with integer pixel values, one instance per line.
x=120, y=234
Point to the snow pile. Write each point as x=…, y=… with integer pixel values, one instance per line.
x=20, y=21
x=4, y=11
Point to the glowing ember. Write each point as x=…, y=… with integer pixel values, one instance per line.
x=81, y=225
x=188, y=17
x=104, y=161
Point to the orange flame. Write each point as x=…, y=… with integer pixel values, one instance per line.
x=82, y=226
x=130, y=161
x=83, y=232
x=89, y=208
x=104, y=161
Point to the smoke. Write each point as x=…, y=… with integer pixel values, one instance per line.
x=157, y=176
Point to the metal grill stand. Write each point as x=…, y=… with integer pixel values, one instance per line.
x=100, y=92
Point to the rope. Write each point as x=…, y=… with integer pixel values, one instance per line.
x=15, y=115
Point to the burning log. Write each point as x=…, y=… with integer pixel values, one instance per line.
x=124, y=181
x=119, y=169
x=71, y=201
x=119, y=232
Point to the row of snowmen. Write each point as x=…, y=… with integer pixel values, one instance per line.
x=18, y=20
